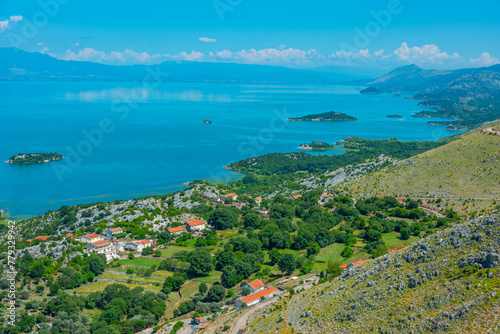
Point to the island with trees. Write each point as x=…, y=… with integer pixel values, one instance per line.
x=394, y=116
x=317, y=146
x=330, y=116
x=33, y=158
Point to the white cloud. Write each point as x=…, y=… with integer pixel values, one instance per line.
x=207, y=40
x=44, y=50
x=426, y=54
x=485, y=59
x=39, y=43
x=9, y=23
x=76, y=44
x=15, y=18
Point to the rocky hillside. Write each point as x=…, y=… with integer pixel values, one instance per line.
x=447, y=282
x=462, y=170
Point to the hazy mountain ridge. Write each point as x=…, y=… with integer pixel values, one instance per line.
x=16, y=64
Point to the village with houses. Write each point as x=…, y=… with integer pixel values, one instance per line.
x=176, y=229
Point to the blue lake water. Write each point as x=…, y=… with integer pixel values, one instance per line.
x=150, y=140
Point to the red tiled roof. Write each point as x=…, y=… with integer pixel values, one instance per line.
x=297, y=196
x=116, y=229
x=343, y=266
x=142, y=242
x=257, y=295
x=99, y=243
x=41, y=238
x=91, y=236
x=195, y=222
x=69, y=235
x=256, y=285
x=30, y=240
x=258, y=199
x=177, y=229
x=231, y=194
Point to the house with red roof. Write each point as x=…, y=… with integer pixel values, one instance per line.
x=254, y=298
x=138, y=246
x=232, y=196
x=69, y=235
x=102, y=247
x=42, y=237
x=354, y=264
x=297, y=196
x=90, y=238
x=176, y=230
x=255, y=285
x=195, y=225
x=110, y=232
x=258, y=200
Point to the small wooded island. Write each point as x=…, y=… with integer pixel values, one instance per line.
x=206, y=121
x=371, y=90
x=331, y=116
x=33, y=158
x=317, y=146
x=394, y=116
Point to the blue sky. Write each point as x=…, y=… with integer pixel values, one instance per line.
x=375, y=34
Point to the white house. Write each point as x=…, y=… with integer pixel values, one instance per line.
x=257, y=200
x=232, y=196
x=195, y=225
x=138, y=246
x=254, y=298
x=90, y=238
x=114, y=231
x=102, y=247
x=255, y=285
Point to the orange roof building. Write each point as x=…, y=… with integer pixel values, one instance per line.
x=195, y=225
x=41, y=238
x=354, y=264
x=297, y=196
x=176, y=230
x=255, y=285
x=254, y=298
x=90, y=238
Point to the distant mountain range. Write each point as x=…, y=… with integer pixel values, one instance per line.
x=16, y=64
x=415, y=79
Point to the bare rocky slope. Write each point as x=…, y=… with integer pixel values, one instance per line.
x=447, y=282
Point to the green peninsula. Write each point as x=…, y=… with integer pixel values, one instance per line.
x=331, y=116
x=34, y=158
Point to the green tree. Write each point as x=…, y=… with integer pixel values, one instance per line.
x=223, y=218
x=245, y=291
x=54, y=288
x=405, y=233
x=200, y=261
x=333, y=268
x=216, y=293
x=96, y=263
x=203, y=288
x=347, y=252
x=274, y=256
x=313, y=249
x=286, y=264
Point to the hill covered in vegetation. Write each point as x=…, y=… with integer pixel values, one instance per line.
x=446, y=282
x=467, y=169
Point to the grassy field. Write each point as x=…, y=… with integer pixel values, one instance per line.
x=100, y=286
x=142, y=261
x=172, y=249
x=116, y=273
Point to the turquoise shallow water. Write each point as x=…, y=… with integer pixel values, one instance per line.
x=156, y=141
